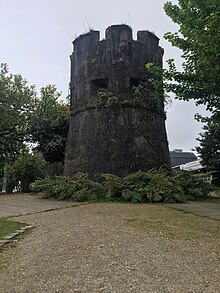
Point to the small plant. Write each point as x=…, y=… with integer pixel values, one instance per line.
x=112, y=186
x=151, y=99
x=106, y=98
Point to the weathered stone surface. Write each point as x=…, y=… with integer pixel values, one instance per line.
x=118, y=133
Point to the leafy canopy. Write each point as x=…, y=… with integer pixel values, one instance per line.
x=49, y=125
x=26, y=168
x=26, y=117
x=199, y=39
x=16, y=107
x=209, y=148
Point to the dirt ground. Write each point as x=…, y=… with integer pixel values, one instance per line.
x=112, y=247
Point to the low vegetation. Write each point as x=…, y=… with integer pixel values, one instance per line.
x=139, y=187
x=7, y=227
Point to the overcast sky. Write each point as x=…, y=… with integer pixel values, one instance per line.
x=36, y=41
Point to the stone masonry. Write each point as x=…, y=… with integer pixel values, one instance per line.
x=117, y=120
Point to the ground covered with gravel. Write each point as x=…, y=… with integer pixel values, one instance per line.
x=112, y=247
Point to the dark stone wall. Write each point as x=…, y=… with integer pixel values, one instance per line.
x=121, y=133
x=54, y=169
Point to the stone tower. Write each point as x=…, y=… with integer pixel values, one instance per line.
x=117, y=121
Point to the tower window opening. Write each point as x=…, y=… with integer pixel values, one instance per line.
x=100, y=83
x=135, y=82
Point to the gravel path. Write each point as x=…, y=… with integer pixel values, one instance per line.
x=207, y=209
x=21, y=204
x=112, y=247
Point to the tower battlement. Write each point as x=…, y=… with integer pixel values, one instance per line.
x=96, y=64
x=119, y=33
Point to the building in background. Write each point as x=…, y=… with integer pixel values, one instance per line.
x=178, y=157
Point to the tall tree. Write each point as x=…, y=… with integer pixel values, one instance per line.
x=199, y=39
x=209, y=148
x=26, y=117
x=49, y=125
x=16, y=107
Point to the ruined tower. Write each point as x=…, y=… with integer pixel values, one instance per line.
x=117, y=121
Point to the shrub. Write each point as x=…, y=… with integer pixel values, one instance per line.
x=68, y=188
x=151, y=186
x=154, y=186
x=195, y=186
x=134, y=186
x=112, y=186
x=24, y=170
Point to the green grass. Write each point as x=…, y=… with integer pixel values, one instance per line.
x=7, y=227
x=174, y=224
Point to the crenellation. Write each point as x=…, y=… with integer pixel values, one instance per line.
x=148, y=38
x=117, y=33
x=84, y=39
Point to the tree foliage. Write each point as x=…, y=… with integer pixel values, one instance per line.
x=49, y=125
x=209, y=148
x=25, y=169
x=198, y=37
x=16, y=107
x=26, y=117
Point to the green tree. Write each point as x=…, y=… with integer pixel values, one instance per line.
x=26, y=118
x=199, y=39
x=16, y=106
x=24, y=170
x=49, y=125
x=209, y=148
